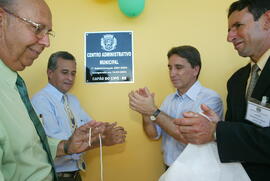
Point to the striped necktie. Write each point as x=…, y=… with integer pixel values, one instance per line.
x=33, y=116
x=73, y=125
x=254, y=76
x=71, y=117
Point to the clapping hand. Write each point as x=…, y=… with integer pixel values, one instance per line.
x=142, y=101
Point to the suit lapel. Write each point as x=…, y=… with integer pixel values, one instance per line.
x=237, y=93
x=241, y=97
x=242, y=83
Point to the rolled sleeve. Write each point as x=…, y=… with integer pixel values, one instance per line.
x=53, y=143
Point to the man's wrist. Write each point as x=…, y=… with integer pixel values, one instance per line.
x=150, y=111
x=154, y=116
x=66, y=147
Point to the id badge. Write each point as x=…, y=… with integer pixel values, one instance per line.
x=258, y=113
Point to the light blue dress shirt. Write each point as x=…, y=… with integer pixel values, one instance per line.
x=48, y=103
x=175, y=104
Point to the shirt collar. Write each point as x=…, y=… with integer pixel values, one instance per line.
x=262, y=61
x=55, y=93
x=192, y=92
x=6, y=74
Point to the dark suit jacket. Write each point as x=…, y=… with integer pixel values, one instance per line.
x=239, y=140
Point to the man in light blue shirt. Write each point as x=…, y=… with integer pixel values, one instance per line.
x=184, y=65
x=62, y=113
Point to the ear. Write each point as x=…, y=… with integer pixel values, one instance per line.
x=196, y=70
x=266, y=17
x=49, y=73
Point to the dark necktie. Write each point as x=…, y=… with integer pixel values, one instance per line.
x=254, y=76
x=32, y=114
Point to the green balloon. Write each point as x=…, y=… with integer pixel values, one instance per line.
x=131, y=8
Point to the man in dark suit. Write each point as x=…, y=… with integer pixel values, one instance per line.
x=238, y=139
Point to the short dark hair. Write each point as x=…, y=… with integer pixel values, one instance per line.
x=52, y=63
x=256, y=7
x=190, y=53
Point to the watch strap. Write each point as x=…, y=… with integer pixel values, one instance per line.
x=156, y=113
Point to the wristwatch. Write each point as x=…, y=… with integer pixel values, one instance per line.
x=153, y=117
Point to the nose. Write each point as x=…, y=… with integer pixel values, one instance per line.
x=231, y=35
x=70, y=77
x=172, y=72
x=44, y=40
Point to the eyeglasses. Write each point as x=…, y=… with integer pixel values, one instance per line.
x=40, y=29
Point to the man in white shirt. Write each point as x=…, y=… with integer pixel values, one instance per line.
x=184, y=65
x=62, y=113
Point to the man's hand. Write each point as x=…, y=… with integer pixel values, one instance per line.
x=113, y=134
x=197, y=129
x=210, y=113
x=79, y=141
x=142, y=101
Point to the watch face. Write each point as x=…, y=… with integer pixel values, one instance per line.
x=153, y=118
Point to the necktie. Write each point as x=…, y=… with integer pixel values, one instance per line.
x=33, y=116
x=69, y=113
x=253, y=79
x=81, y=164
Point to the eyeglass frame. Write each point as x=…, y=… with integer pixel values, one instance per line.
x=39, y=28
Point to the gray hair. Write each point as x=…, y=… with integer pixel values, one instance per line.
x=52, y=63
x=5, y=3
